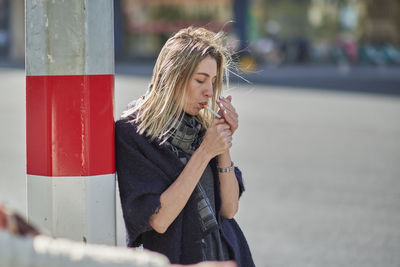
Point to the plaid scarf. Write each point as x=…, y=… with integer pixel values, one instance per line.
x=184, y=140
x=185, y=137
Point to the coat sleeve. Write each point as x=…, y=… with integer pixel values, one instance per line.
x=239, y=178
x=140, y=181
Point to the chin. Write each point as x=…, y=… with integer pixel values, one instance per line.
x=192, y=112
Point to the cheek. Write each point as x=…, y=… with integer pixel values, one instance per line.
x=189, y=96
x=194, y=92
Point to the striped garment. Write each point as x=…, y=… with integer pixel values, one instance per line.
x=184, y=140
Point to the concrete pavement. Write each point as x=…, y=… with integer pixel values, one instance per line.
x=321, y=170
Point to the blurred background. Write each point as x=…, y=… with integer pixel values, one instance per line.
x=270, y=32
x=319, y=106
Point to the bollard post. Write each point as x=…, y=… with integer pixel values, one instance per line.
x=69, y=118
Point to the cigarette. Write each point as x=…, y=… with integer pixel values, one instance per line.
x=213, y=112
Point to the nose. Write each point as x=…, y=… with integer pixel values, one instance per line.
x=209, y=89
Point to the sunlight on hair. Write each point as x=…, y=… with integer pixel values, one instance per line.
x=162, y=106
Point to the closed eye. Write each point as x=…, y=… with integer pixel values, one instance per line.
x=199, y=81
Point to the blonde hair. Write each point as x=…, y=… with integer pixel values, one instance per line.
x=162, y=105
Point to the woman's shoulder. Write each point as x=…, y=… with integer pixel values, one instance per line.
x=128, y=116
x=125, y=125
x=126, y=129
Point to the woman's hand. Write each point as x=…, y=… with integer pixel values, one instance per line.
x=218, y=138
x=228, y=112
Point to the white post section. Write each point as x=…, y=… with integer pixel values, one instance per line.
x=70, y=124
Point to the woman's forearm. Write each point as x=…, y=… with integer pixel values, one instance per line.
x=174, y=199
x=229, y=188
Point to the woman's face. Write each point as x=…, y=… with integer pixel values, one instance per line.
x=200, y=86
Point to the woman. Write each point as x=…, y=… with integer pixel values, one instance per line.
x=179, y=188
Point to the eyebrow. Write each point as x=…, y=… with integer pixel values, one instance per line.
x=205, y=74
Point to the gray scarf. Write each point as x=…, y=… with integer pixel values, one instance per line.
x=184, y=140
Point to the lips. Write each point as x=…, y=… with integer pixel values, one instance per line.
x=203, y=104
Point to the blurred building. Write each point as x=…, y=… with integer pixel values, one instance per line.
x=12, y=30
x=143, y=26
x=382, y=21
x=273, y=31
x=333, y=31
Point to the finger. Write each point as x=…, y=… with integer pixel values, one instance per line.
x=221, y=107
x=226, y=100
x=218, y=121
x=227, y=117
x=223, y=127
x=227, y=132
x=233, y=112
x=231, y=119
x=226, y=105
x=221, y=112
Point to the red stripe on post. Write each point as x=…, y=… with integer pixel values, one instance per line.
x=70, y=125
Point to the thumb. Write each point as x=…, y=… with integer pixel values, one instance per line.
x=218, y=121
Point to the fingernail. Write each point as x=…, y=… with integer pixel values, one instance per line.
x=225, y=111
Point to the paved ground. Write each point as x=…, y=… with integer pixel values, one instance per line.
x=321, y=167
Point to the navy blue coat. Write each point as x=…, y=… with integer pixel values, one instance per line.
x=145, y=170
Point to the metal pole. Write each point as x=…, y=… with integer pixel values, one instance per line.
x=69, y=113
